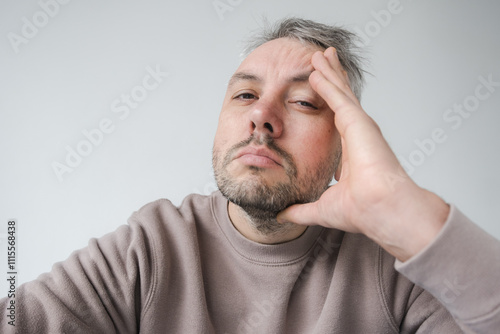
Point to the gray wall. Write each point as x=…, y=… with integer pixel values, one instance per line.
x=69, y=74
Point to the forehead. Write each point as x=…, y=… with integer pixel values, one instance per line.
x=279, y=57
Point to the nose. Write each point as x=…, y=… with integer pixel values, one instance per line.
x=266, y=119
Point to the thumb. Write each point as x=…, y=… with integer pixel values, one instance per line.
x=302, y=214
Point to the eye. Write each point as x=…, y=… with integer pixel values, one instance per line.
x=306, y=104
x=245, y=96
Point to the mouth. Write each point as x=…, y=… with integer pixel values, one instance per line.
x=258, y=157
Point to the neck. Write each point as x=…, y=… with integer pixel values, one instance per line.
x=262, y=227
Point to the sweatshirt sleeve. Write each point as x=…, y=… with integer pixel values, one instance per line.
x=99, y=289
x=461, y=268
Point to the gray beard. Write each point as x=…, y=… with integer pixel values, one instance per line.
x=260, y=202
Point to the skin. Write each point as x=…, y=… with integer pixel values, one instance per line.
x=271, y=90
x=373, y=195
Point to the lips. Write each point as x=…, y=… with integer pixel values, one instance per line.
x=258, y=156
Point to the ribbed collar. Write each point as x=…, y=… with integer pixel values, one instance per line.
x=275, y=255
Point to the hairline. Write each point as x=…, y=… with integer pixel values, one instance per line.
x=318, y=35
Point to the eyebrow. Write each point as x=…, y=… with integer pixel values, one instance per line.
x=301, y=77
x=245, y=76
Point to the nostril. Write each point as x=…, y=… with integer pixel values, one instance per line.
x=269, y=127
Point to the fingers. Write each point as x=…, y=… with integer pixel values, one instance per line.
x=332, y=57
x=337, y=100
x=328, y=64
x=301, y=214
x=330, y=82
x=323, y=212
x=360, y=134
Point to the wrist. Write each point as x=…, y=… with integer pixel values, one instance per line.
x=414, y=222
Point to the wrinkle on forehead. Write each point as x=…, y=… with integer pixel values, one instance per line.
x=283, y=56
x=245, y=76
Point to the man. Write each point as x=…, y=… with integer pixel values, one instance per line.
x=243, y=260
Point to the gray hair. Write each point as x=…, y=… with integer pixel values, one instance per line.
x=321, y=35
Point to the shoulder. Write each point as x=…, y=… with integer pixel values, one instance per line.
x=163, y=211
x=162, y=221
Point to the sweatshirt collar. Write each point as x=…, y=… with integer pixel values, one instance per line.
x=267, y=254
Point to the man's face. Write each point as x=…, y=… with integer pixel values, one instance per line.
x=276, y=142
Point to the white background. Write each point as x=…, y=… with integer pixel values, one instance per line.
x=64, y=79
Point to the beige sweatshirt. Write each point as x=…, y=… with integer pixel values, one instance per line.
x=188, y=270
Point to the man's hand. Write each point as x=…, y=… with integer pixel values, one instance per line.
x=374, y=195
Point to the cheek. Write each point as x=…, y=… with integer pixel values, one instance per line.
x=221, y=133
x=314, y=143
x=227, y=132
